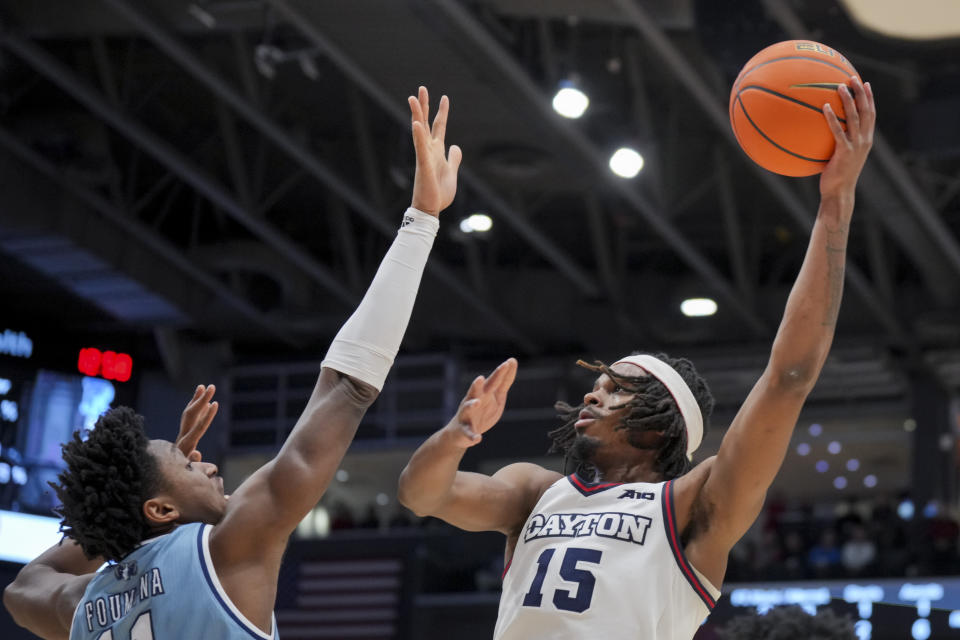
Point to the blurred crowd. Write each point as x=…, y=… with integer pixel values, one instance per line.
x=877, y=537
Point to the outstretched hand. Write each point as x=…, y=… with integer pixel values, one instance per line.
x=195, y=421
x=852, y=146
x=435, y=182
x=483, y=405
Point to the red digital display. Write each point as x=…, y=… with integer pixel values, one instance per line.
x=105, y=364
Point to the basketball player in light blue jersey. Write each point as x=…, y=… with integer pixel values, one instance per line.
x=634, y=543
x=186, y=561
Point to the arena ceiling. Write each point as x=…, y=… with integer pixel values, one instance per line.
x=233, y=171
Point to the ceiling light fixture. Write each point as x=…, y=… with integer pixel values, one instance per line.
x=626, y=162
x=476, y=223
x=698, y=307
x=570, y=102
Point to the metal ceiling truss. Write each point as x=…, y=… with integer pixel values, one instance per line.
x=174, y=160
x=459, y=16
x=310, y=162
x=507, y=214
x=144, y=234
x=923, y=236
x=698, y=88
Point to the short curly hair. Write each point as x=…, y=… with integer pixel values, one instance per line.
x=789, y=623
x=109, y=476
x=651, y=409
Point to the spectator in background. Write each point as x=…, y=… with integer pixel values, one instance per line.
x=943, y=533
x=794, y=557
x=370, y=518
x=824, y=558
x=789, y=623
x=859, y=552
x=768, y=555
x=341, y=517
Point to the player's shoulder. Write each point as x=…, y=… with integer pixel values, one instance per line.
x=528, y=475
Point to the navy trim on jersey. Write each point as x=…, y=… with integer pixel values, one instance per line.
x=673, y=537
x=590, y=488
x=216, y=592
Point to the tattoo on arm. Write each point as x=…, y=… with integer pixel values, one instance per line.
x=836, y=258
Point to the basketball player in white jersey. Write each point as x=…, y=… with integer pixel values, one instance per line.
x=186, y=562
x=634, y=543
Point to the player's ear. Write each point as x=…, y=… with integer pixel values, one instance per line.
x=160, y=511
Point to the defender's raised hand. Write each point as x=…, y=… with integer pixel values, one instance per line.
x=435, y=182
x=483, y=405
x=195, y=421
x=840, y=175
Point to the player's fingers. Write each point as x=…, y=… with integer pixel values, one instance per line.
x=421, y=140
x=467, y=410
x=197, y=392
x=454, y=157
x=838, y=133
x=476, y=387
x=424, y=98
x=851, y=115
x=212, y=409
x=440, y=121
x=416, y=114
x=208, y=392
x=195, y=456
x=510, y=374
x=868, y=118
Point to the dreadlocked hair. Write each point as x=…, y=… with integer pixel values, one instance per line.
x=652, y=408
x=787, y=623
x=108, y=478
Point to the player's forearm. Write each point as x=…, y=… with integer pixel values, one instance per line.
x=370, y=339
x=352, y=374
x=428, y=478
x=806, y=332
x=42, y=599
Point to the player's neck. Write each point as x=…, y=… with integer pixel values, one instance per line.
x=639, y=469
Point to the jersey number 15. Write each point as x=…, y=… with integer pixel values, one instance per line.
x=584, y=579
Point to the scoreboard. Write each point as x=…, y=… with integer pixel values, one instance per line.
x=51, y=384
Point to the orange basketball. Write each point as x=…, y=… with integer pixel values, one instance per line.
x=776, y=105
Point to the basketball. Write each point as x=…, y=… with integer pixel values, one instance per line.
x=776, y=105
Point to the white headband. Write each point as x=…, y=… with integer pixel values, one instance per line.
x=681, y=393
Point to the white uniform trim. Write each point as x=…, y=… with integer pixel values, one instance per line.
x=681, y=393
x=214, y=582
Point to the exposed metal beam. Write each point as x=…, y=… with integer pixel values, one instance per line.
x=938, y=236
x=175, y=161
x=459, y=16
x=683, y=71
x=732, y=227
x=234, y=154
x=307, y=159
x=143, y=233
x=507, y=214
x=601, y=246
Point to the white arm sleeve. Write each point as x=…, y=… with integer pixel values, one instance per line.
x=367, y=344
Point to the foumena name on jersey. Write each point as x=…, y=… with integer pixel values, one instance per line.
x=104, y=611
x=627, y=527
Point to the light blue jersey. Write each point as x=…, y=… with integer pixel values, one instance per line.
x=165, y=590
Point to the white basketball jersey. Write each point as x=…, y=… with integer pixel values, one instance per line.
x=602, y=561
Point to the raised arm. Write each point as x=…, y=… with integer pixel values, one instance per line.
x=432, y=485
x=267, y=507
x=730, y=498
